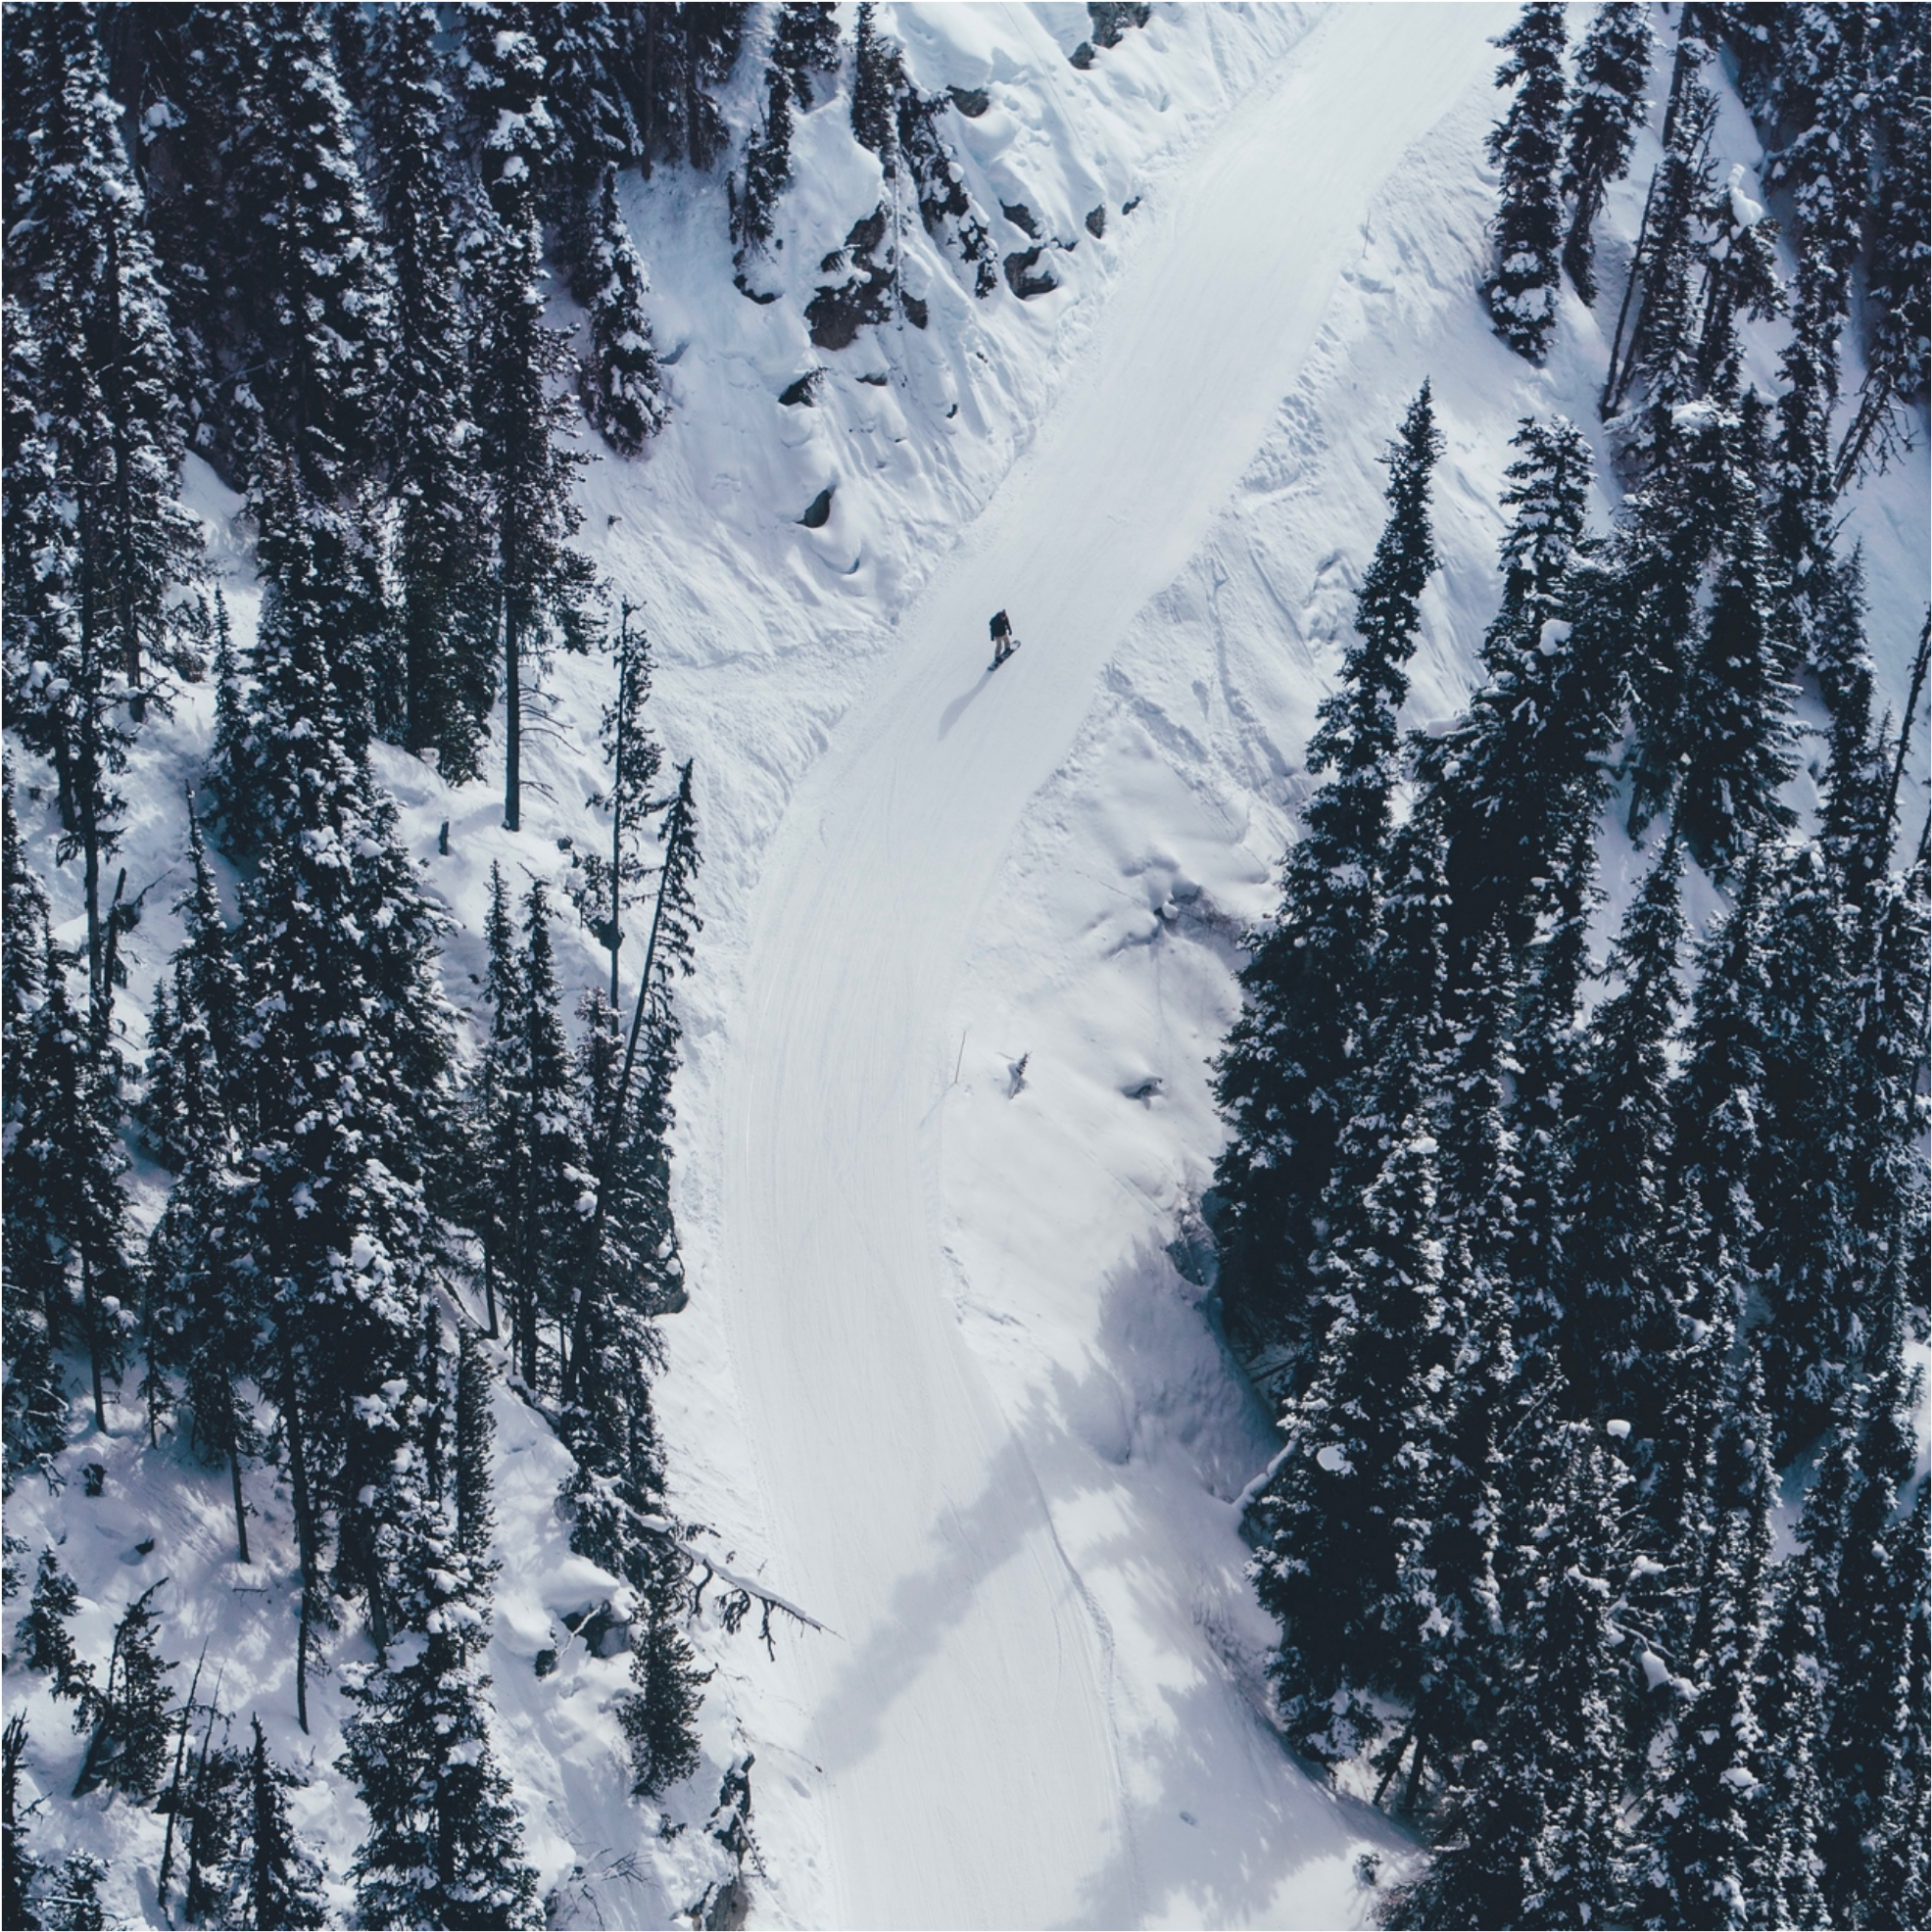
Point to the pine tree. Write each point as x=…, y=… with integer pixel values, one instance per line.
x=67, y=1214
x=1901, y=257
x=195, y=1059
x=1737, y=701
x=1352, y=1487
x=1851, y=828
x=446, y=613
x=109, y=378
x=596, y=132
x=324, y=314
x=874, y=71
x=659, y=1716
x=615, y=1494
x=1707, y=1817
x=767, y=175
x=94, y=440
x=1526, y=145
x=348, y=1079
x=1698, y=504
x=1607, y=109
x=1810, y=1276
x=128, y=1751
x=47, y=1644
x=72, y=1900
x=806, y=42
x=1530, y=1833
x=558, y=1188
x=541, y=583
x=950, y=215
x=496, y=1204
x=1786, y=1869
x=1509, y=778
x=1282, y=1076
x=34, y=1399
x=278, y=1884
x=445, y=1843
x=1655, y=333
x=634, y=758
x=1870, y=1613
x=325, y=320
x=1740, y=275
x=620, y=382
x=19, y=1867
x=1619, y=1312
x=676, y=58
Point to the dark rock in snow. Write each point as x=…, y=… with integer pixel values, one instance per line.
x=1021, y=278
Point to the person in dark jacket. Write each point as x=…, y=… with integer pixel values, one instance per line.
x=1004, y=643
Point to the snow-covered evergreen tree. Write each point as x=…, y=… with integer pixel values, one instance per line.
x=1620, y=1306
x=620, y=382
x=1526, y=145
x=543, y=584
x=447, y=610
x=445, y=1842
x=1607, y=109
x=1305, y=1010
x=134, y=1715
x=805, y=43
x=1352, y=1491
x=610, y=886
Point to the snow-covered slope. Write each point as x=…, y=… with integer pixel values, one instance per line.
x=941, y=1379
x=975, y=1763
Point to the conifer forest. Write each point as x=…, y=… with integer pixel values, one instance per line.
x=675, y=1255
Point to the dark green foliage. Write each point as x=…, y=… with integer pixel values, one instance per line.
x=1526, y=145
x=767, y=170
x=19, y=1867
x=616, y=1491
x=604, y=889
x=659, y=1716
x=128, y=1751
x=47, y=1644
x=902, y=126
x=1339, y=1520
x=1619, y=1304
x=445, y=1843
x=806, y=43
x=1511, y=778
x=620, y=382
x=542, y=585
x=1530, y=1832
x=1705, y=1819
x=876, y=72
x=36, y=1402
x=1112, y=17
x=1606, y=112
x=67, y=1216
x=1283, y=1075
x=71, y=1901
x=442, y=558
x=275, y=1882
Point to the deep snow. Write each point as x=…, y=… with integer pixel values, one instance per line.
x=940, y=1380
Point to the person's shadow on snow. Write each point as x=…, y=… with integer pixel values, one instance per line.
x=951, y=714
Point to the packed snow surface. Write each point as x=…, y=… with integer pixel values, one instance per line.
x=995, y=1743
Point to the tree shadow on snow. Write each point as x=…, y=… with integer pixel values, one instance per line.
x=1226, y=1827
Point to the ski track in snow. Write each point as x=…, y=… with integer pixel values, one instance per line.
x=963, y=1725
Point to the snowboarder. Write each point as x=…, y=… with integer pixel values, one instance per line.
x=1004, y=643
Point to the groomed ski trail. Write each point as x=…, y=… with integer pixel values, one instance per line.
x=960, y=1726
